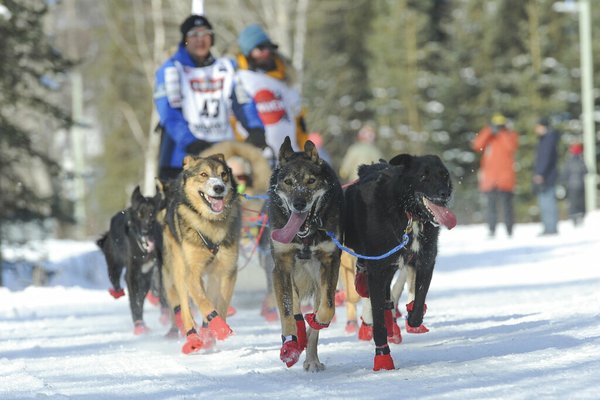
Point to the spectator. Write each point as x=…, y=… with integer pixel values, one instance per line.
x=362, y=151
x=573, y=178
x=497, y=179
x=264, y=78
x=195, y=97
x=317, y=139
x=546, y=175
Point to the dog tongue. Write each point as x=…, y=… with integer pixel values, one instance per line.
x=216, y=204
x=287, y=233
x=148, y=244
x=441, y=214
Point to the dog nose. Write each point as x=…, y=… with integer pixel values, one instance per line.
x=219, y=189
x=299, y=204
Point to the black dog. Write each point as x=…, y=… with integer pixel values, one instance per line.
x=133, y=242
x=408, y=195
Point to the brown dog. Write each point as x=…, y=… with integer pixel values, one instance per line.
x=305, y=202
x=201, y=240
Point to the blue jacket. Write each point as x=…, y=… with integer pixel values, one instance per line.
x=176, y=133
x=546, y=158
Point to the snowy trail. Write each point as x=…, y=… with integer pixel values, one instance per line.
x=510, y=318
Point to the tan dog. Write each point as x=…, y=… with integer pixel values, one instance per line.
x=201, y=240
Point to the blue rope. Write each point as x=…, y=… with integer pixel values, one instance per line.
x=258, y=196
x=405, y=240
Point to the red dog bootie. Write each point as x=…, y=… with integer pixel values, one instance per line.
x=340, y=297
x=418, y=329
x=290, y=351
x=193, y=342
x=208, y=337
x=116, y=293
x=154, y=300
x=219, y=326
x=361, y=281
x=396, y=335
x=383, y=359
x=140, y=328
x=311, y=318
x=178, y=319
x=365, y=332
x=351, y=326
x=301, y=331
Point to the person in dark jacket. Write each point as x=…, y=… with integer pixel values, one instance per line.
x=546, y=175
x=573, y=178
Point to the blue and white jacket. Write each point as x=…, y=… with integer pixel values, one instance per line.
x=195, y=103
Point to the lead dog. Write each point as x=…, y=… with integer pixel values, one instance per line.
x=133, y=243
x=305, y=202
x=201, y=237
x=407, y=196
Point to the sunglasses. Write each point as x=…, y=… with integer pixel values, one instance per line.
x=198, y=34
x=266, y=46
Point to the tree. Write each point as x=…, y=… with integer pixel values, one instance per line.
x=30, y=74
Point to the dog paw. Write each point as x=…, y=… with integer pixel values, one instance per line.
x=208, y=337
x=220, y=328
x=365, y=332
x=418, y=329
x=193, y=343
x=140, y=328
x=154, y=300
x=395, y=336
x=351, y=327
x=313, y=366
x=340, y=297
x=290, y=353
x=311, y=318
x=116, y=293
x=383, y=361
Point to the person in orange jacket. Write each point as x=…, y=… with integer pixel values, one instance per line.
x=497, y=178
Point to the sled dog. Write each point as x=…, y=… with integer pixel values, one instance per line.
x=201, y=234
x=133, y=243
x=409, y=196
x=305, y=202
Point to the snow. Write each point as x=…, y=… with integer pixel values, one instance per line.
x=509, y=318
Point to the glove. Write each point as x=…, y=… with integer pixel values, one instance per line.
x=197, y=147
x=256, y=136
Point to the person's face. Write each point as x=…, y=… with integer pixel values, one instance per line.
x=540, y=130
x=263, y=55
x=198, y=42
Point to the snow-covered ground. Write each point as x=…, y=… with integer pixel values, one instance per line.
x=509, y=318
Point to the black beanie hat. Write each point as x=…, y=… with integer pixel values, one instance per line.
x=194, y=21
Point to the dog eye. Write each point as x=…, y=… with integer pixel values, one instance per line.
x=204, y=174
x=288, y=182
x=311, y=180
x=223, y=175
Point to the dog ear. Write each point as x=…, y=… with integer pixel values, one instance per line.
x=136, y=196
x=218, y=156
x=285, y=151
x=311, y=150
x=402, y=160
x=187, y=161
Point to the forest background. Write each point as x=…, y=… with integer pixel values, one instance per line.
x=77, y=120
